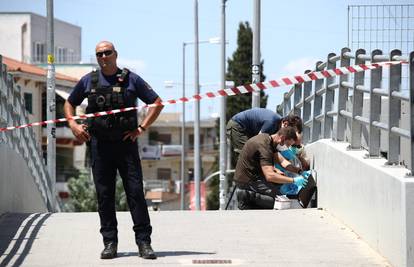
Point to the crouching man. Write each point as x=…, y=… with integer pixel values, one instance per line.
x=257, y=180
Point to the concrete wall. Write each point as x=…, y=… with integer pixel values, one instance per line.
x=18, y=191
x=19, y=40
x=376, y=201
x=11, y=35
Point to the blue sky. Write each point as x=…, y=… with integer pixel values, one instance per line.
x=149, y=35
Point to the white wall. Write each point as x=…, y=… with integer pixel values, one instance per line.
x=10, y=35
x=66, y=35
x=18, y=191
x=376, y=201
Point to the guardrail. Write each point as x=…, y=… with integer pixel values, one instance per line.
x=13, y=112
x=329, y=110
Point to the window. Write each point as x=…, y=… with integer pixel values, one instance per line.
x=163, y=173
x=61, y=55
x=71, y=56
x=156, y=137
x=191, y=140
x=164, y=139
x=39, y=52
x=28, y=102
x=191, y=173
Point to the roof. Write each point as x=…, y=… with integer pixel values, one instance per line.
x=38, y=15
x=15, y=65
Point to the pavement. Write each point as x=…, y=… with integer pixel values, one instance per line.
x=295, y=237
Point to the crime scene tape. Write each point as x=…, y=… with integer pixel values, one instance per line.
x=242, y=89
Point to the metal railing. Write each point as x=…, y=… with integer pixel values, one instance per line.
x=360, y=108
x=12, y=112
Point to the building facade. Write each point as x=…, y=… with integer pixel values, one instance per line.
x=160, y=151
x=25, y=35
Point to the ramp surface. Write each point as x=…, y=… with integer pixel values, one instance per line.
x=214, y=238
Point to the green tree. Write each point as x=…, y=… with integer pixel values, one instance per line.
x=83, y=196
x=213, y=190
x=239, y=70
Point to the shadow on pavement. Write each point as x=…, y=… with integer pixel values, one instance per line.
x=10, y=223
x=161, y=254
x=181, y=253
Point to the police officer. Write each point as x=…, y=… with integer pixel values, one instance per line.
x=113, y=143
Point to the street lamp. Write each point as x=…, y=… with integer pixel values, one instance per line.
x=169, y=84
x=256, y=53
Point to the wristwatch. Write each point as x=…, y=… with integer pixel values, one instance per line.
x=142, y=127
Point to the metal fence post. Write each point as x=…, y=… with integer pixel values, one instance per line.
x=329, y=99
x=317, y=107
x=394, y=110
x=306, y=115
x=411, y=110
x=297, y=95
x=9, y=105
x=342, y=98
x=357, y=103
x=374, y=109
x=287, y=103
x=3, y=112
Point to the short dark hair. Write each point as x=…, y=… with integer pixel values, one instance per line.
x=294, y=121
x=288, y=132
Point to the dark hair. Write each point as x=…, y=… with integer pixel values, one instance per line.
x=294, y=121
x=288, y=132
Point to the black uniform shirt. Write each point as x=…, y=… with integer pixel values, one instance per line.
x=136, y=88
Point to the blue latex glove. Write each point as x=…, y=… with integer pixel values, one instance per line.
x=300, y=181
x=306, y=174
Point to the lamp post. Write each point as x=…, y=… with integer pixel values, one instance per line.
x=197, y=158
x=51, y=103
x=256, y=53
x=213, y=40
x=223, y=139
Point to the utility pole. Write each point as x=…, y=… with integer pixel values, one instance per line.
x=51, y=103
x=197, y=159
x=223, y=154
x=183, y=146
x=256, y=53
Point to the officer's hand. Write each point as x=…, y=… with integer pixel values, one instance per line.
x=133, y=135
x=79, y=131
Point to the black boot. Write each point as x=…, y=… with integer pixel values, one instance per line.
x=243, y=199
x=146, y=251
x=110, y=251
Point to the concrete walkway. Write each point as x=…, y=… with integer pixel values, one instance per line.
x=234, y=238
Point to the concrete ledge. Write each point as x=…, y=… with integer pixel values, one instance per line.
x=18, y=191
x=374, y=200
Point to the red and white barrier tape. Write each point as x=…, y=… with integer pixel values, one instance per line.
x=242, y=89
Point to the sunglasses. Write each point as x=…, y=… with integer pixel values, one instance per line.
x=106, y=53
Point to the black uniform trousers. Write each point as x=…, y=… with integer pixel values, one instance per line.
x=258, y=194
x=107, y=157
